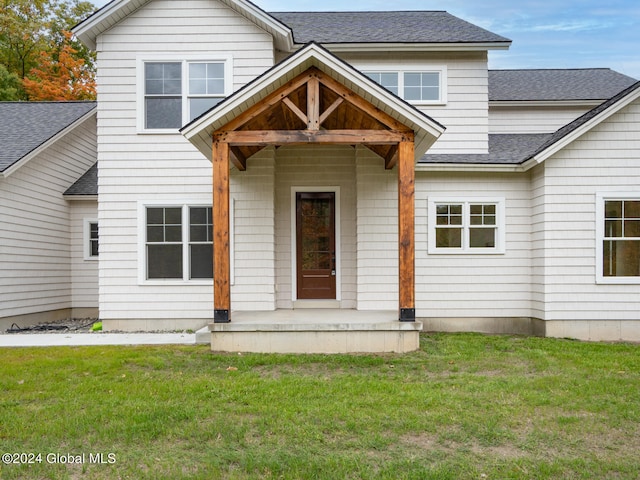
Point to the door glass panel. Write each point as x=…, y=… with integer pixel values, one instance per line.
x=316, y=234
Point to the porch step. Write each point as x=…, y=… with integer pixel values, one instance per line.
x=316, y=304
x=315, y=331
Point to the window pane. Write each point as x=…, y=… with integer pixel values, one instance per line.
x=482, y=237
x=613, y=209
x=173, y=216
x=201, y=261
x=613, y=228
x=621, y=258
x=206, y=78
x=163, y=112
x=155, y=216
x=632, y=209
x=631, y=228
x=197, y=106
x=155, y=233
x=448, y=237
x=422, y=86
x=163, y=78
x=164, y=261
x=388, y=80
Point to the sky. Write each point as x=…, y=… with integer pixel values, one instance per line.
x=545, y=33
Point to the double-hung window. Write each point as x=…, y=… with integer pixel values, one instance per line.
x=178, y=242
x=466, y=225
x=177, y=92
x=618, y=242
x=416, y=85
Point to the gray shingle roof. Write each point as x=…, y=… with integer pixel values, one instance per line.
x=87, y=184
x=552, y=84
x=384, y=27
x=504, y=149
x=24, y=126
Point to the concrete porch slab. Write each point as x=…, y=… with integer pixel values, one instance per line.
x=315, y=331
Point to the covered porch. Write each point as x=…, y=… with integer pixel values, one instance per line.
x=308, y=102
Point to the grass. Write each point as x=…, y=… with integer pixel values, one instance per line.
x=464, y=406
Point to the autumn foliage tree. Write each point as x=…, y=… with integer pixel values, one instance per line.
x=61, y=75
x=35, y=46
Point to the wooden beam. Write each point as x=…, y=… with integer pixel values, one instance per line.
x=330, y=110
x=281, y=137
x=406, y=231
x=238, y=159
x=360, y=103
x=313, y=104
x=292, y=106
x=391, y=159
x=221, y=251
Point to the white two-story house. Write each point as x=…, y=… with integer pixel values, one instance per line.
x=352, y=178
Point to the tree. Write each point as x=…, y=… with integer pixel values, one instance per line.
x=9, y=85
x=33, y=31
x=61, y=76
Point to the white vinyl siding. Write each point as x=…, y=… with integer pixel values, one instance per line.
x=464, y=105
x=523, y=119
x=474, y=285
x=603, y=163
x=162, y=169
x=36, y=253
x=84, y=267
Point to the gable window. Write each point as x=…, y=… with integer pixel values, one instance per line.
x=177, y=92
x=619, y=239
x=416, y=85
x=178, y=242
x=466, y=225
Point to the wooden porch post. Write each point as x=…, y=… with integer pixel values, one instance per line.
x=406, y=230
x=221, y=262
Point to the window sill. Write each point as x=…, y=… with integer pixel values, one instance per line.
x=618, y=280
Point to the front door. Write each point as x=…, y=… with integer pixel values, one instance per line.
x=316, y=245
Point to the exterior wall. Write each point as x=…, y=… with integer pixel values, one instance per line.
x=136, y=168
x=531, y=119
x=35, y=258
x=253, y=256
x=465, y=112
x=606, y=159
x=377, y=233
x=467, y=286
x=84, y=270
x=316, y=166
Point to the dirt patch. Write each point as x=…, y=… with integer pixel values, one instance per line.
x=69, y=325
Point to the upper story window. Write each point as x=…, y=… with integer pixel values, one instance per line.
x=618, y=243
x=176, y=92
x=416, y=85
x=466, y=225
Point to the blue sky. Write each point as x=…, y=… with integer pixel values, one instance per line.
x=545, y=33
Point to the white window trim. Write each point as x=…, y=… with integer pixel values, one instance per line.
x=294, y=251
x=601, y=197
x=184, y=204
x=500, y=247
x=185, y=60
x=86, y=238
x=401, y=69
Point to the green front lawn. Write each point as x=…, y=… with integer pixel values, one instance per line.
x=464, y=406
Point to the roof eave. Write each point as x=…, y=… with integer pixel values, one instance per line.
x=410, y=47
x=43, y=146
x=469, y=167
x=546, y=103
x=76, y=198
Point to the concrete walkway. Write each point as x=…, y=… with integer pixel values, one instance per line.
x=87, y=339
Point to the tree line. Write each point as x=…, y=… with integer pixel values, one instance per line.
x=40, y=60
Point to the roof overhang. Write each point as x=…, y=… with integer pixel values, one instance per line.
x=117, y=10
x=200, y=131
x=42, y=147
x=416, y=47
